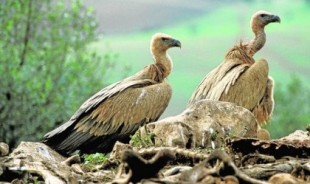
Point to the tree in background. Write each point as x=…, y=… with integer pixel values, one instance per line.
x=46, y=70
x=292, y=108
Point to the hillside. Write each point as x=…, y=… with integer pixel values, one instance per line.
x=123, y=17
x=206, y=38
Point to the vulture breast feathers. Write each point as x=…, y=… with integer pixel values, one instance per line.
x=117, y=111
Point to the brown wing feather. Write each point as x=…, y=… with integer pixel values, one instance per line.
x=82, y=113
x=216, y=82
x=219, y=80
x=263, y=111
x=241, y=80
x=223, y=86
x=242, y=84
x=112, y=114
x=250, y=86
x=127, y=108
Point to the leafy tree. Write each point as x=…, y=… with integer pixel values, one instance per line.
x=292, y=108
x=46, y=68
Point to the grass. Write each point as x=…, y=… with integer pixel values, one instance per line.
x=206, y=39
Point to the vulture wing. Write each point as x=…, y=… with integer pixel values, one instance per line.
x=113, y=113
x=236, y=82
x=218, y=81
x=263, y=111
x=249, y=88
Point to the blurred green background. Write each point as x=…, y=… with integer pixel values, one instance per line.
x=55, y=54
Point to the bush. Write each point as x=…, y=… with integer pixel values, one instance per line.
x=46, y=69
x=292, y=108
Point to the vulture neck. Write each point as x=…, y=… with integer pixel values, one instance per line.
x=162, y=62
x=258, y=41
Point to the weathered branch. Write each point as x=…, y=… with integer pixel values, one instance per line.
x=222, y=156
x=181, y=153
x=141, y=168
x=265, y=171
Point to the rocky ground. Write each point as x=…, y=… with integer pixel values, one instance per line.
x=210, y=142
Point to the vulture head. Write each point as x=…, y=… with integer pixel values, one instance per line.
x=263, y=18
x=162, y=42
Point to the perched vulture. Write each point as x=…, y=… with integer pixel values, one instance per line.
x=241, y=80
x=117, y=111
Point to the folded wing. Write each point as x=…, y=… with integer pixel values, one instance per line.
x=112, y=114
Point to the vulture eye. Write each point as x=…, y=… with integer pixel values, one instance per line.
x=263, y=15
x=164, y=39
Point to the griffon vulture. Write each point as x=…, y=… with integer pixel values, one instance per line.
x=117, y=111
x=241, y=80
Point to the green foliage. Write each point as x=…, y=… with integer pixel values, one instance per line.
x=292, y=108
x=137, y=140
x=95, y=159
x=46, y=69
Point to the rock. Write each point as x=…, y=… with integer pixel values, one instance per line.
x=299, y=140
x=231, y=180
x=34, y=162
x=4, y=149
x=284, y=178
x=36, y=151
x=298, y=136
x=38, y=159
x=263, y=134
x=203, y=124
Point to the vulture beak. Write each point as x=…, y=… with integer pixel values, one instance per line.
x=275, y=18
x=175, y=43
